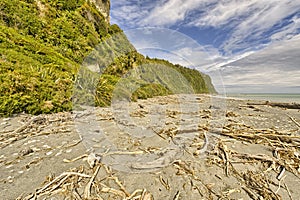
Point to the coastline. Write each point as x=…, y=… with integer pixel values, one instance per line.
x=250, y=139
x=272, y=97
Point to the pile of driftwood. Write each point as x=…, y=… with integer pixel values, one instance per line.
x=285, y=148
x=98, y=182
x=37, y=126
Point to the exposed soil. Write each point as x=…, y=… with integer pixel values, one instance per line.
x=174, y=147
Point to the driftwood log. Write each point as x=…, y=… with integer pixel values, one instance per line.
x=281, y=105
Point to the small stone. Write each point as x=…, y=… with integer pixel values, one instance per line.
x=4, y=123
x=46, y=146
x=35, y=149
x=59, y=153
x=69, y=151
x=10, y=179
x=9, y=166
x=92, y=159
x=32, y=141
x=25, y=152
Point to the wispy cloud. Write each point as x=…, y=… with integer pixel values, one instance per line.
x=253, y=30
x=129, y=13
x=171, y=45
x=270, y=69
x=250, y=22
x=171, y=11
x=289, y=30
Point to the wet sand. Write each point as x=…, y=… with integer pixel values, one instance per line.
x=174, y=147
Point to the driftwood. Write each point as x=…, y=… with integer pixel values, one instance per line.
x=285, y=105
x=294, y=120
x=281, y=105
x=196, y=151
x=87, y=186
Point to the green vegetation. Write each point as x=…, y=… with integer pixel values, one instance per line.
x=43, y=44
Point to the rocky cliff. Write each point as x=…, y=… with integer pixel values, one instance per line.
x=104, y=7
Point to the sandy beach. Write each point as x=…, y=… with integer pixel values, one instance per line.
x=173, y=147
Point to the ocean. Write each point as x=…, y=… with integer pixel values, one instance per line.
x=273, y=97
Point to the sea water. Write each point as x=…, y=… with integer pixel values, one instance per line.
x=273, y=97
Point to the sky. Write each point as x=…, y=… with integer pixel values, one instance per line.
x=246, y=46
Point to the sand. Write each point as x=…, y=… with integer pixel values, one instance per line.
x=174, y=147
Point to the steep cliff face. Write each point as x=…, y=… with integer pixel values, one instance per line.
x=104, y=7
x=44, y=43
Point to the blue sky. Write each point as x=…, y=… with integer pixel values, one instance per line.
x=244, y=45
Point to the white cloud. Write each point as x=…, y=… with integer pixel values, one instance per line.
x=288, y=31
x=129, y=13
x=172, y=45
x=220, y=61
x=276, y=67
x=246, y=20
x=254, y=26
x=221, y=12
x=171, y=12
x=249, y=20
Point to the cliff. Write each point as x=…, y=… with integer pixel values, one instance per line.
x=104, y=7
x=43, y=45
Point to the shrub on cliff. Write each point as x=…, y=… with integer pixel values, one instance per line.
x=42, y=46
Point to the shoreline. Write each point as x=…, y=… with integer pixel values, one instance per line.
x=272, y=97
x=273, y=103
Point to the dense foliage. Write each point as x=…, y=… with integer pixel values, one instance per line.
x=43, y=44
